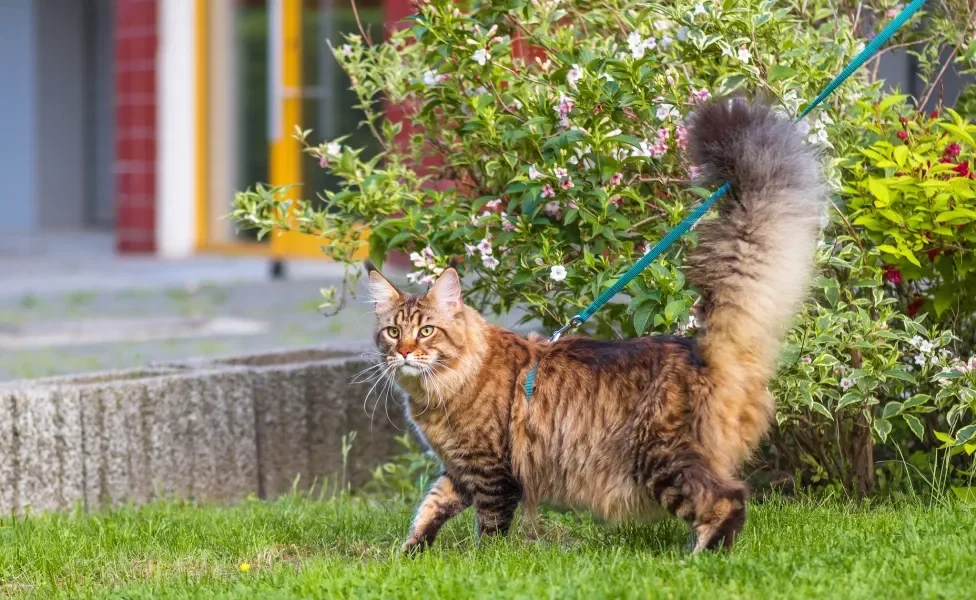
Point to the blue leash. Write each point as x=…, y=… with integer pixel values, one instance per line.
x=869, y=51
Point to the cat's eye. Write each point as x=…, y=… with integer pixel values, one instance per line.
x=426, y=331
x=393, y=332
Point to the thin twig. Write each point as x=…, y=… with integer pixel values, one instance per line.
x=935, y=82
x=359, y=23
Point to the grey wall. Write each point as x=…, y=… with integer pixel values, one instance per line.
x=61, y=103
x=17, y=116
x=101, y=115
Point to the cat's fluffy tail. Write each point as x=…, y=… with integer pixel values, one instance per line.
x=753, y=263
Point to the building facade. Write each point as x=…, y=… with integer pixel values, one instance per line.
x=142, y=117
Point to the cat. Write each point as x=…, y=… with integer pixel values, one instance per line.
x=627, y=427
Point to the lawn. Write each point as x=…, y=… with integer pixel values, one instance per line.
x=298, y=547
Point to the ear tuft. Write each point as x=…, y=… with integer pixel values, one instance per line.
x=446, y=291
x=382, y=291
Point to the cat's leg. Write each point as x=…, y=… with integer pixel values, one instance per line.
x=443, y=500
x=496, y=496
x=713, y=506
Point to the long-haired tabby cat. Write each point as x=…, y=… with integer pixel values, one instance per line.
x=622, y=427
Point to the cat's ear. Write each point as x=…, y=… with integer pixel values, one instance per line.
x=382, y=291
x=446, y=291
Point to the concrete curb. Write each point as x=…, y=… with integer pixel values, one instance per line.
x=206, y=429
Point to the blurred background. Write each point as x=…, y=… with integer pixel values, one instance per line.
x=128, y=125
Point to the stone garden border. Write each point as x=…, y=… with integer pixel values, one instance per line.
x=216, y=429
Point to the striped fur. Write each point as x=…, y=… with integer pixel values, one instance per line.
x=627, y=428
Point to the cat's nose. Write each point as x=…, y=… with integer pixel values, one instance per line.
x=404, y=353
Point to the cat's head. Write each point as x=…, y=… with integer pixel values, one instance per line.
x=419, y=333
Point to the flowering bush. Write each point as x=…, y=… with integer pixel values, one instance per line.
x=912, y=193
x=542, y=147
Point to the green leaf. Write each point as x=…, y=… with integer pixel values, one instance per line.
x=965, y=434
x=901, y=374
x=642, y=317
x=820, y=408
x=882, y=428
x=966, y=495
x=377, y=250
x=780, y=72
x=849, y=398
x=879, y=190
x=673, y=309
x=891, y=409
x=891, y=101
x=915, y=425
x=901, y=155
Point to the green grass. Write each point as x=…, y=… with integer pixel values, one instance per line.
x=300, y=548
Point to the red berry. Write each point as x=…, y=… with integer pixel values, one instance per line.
x=934, y=114
x=892, y=274
x=915, y=306
x=902, y=135
x=962, y=169
x=953, y=150
x=945, y=160
x=932, y=253
x=903, y=120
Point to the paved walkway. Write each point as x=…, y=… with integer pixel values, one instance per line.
x=69, y=305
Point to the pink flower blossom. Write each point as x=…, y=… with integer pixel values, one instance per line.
x=682, y=135
x=616, y=179
x=494, y=203
x=617, y=201
x=565, y=106
x=567, y=183
x=553, y=209
x=561, y=172
x=548, y=192
x=699, y=95
x=324, y=161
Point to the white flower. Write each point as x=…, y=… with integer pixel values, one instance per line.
x=636, y=44
x=470, y=250
x=920, y=359
x=333, y=149
x=699, y=9
x=846, y=383
x=682, y=34
x=665, y=111
x=418, y=260
x=926, y=346
x=557, y=273
x=481, y=56
x=574, y=75
x=561, y=172
x=484, y=246
x=346, y=50
x=437, y=270
x=666, y=42
x=743, y=54
x=489, y=261
x=432, y=78
x=915, y=341
x=552, y=209
x=534, y=173
x=494, y=203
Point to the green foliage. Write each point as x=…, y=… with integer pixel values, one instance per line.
x=541, y=144
x=912, y=193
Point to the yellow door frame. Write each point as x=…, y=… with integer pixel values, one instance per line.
x=286, y=81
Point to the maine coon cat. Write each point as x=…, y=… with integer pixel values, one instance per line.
x=623, y=427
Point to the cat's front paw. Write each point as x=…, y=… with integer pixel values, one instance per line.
x=414, y=545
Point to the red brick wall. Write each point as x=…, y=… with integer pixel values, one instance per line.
x=136, y=41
